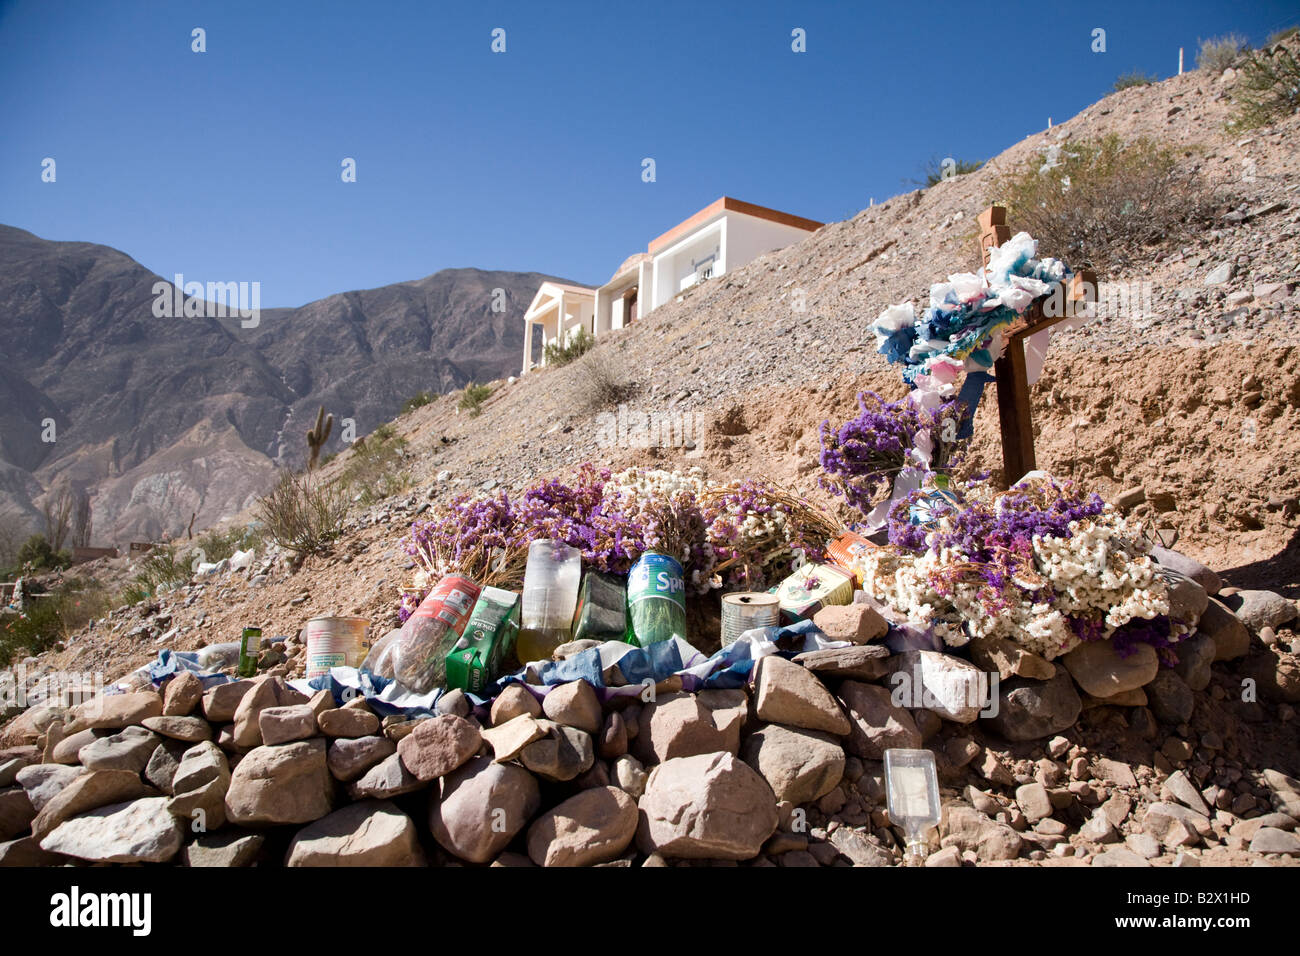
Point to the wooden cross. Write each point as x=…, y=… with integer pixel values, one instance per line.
x=1014, y=411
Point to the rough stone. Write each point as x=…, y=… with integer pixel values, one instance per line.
x=88, y=791
x=221, y=701
x=1261, y=609
x=1033, y=802
x=185, y=729
x=350, y=757
x=267, y=692
x=877, y=724
x=574, y=704
x=513, y=701
x=786, y=693
x=1009, y=659
x=709, y=806
x=200, y=785
x=282, y=725
x=1188, y=566
x=864, y=662
x=563, y=754
x=630, y=776
x=281, y=783
x=164, y=763
x=368, y=833
x=45, y=781
x=16, y=812
x=1195, y=654
x=1098, y=668
x=1187, y=599
x=1171, y=700
x=1230, y=636
x=139, y=831
x=386, y=779
x=799, y=765
x=438, y=746
x=680, y=725
x=182, y=694
x=482, y=806
x=508, y=739
x=953, y=688
x=26, y=852
x=856, y=623
x=612, y=741
x=116, y=711
x=128, y=749
x=350, y=722
x=595, y=826
x=224, y=849
x=1030, y=709
x=1274, y=840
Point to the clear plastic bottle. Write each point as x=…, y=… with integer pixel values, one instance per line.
x=912, y=790
x=551, y=580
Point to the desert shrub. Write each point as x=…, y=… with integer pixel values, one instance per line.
x=1268, y=88
x=374, y=470
x=1132, y=79
x=570, y=350
x=166, y=565
x=1101, y=202
x=302, y=514
x=418, y=400
x=37, y=554
x=1219, y=53
x=602, y=381
x=472, y=399
x=1277, y=36
x=31, y=632
x=936, y=170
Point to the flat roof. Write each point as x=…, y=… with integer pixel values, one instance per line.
x=727, y=204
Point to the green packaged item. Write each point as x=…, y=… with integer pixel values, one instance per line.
x=602, y=608
x=656, y=600
x=250, y=645
x=476, y=660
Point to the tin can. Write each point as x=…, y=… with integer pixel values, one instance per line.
x=745, y=610
x=336, y=642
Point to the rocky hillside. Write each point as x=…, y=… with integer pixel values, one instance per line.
x=1184, y=411
x=163, y=417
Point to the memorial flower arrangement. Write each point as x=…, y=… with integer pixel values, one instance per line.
x=1043, y=565
x=755, y=527
x=583, y=515
x=665, y=508
x=960, y=331
x=475, y=537
x=861, y=459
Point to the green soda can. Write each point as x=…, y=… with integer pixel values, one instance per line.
x=250, y=645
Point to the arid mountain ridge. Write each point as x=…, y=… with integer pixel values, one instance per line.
x=159, y=418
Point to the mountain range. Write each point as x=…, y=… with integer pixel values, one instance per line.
x=158, y=418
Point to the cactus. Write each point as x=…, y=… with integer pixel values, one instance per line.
x=318, y=436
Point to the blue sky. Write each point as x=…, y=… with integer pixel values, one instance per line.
x=225, y=165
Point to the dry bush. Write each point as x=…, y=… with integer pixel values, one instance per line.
x=301, y=514
x=1102, y=203
x=1269, y=86
x=603, y=381
x=1219, y=53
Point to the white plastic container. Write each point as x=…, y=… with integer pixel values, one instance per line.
x=551, y=580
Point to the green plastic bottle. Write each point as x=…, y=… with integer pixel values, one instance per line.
x=250, y=645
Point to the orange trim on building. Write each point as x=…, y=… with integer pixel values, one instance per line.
x=727, y=204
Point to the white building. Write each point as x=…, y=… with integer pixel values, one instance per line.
x=722, y=236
